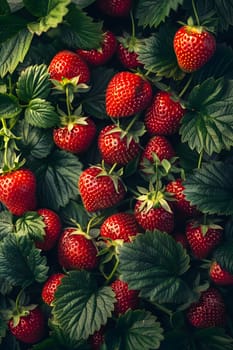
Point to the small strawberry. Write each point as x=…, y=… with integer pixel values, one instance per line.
x=100, y=188
x=76, y=250
x=97, y=339
x=209, y=311
x=219, y=275
x=127, y=94
x=18, y=191
x=160, y=146
x=50, y=287
x=52, y=229
x=125, y=298
x=67, y=64
x=163, y=116
x=193, y=46
x=100, y=56
x=126, y=51
x=115, y=8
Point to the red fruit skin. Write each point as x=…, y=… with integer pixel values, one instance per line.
x=164, y=115
x=209, y=311
x=31, y=328
x=154, y=219
x=125, y=298
x=52, y=229
x=97, y=339
x=127, y=94
x=50, y=287
x=181, y=238
x=75, y=251
x=129, y=59
x=98, y=192
x=97, y=57
x=114, y=148
x=220, y=276
x=193, y=48
x=119, y=226
x=18, y=191
x=202, y=245
x=67, y=64
x=115, y=8
x=160, y=146
x=78, y=139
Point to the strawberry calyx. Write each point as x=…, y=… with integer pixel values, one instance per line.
x=72, y=119
x=112, y=174
x=205, y=223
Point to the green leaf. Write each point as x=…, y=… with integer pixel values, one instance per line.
x=135, y=330
x=9, y=106
x=153, y=264
x=211, y=188
x=152, y=12
x=208, y=125
x=50, y=13
x=33, y=83
x=5, y=287
x=74, y=212
x=32, y=225
x=10, y=25
x=224, y=10
x=223, y=255
x=6, y=224
x=213, y=338
x=13, y=51
x=83, y=3
x=80, y=306
x=41, y=113
x=4, y=8
x=20, y=262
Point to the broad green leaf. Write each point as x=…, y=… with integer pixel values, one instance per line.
x=50, y=13
x=41, y=113
x=6, y=224
x=20, y=262
x=152, y=12
x=135, y=330
x=83, y=3
x=9, y=106
x=213, y=338
x=10, y=25
x=15, y=4
x=211, y=188
x=33, y=83
x=13, y=51
x=154, y=264
x=31, y=224
x=80, y=306
x=224, y=10
x=74, y=212
x=223, y=255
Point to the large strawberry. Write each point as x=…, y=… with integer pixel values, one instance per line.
x=100, y=56
x=219, y=275
x=209, y=311
x=100, y=188
x=164, y=115
x=125, y=298
x=18, y=191
x=115, y=8
x=68, y=64
x=50, y=287
x=127, y=94
x=193, y=46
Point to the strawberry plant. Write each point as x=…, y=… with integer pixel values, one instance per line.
x=116, y=168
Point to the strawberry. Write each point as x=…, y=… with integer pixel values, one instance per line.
x=97, y=339
x=100, y=189
x=163, y=116
x=52, y=229
x=193, y=46
x=50, y=287
x=76, y=250
x=202, y=238
x=125, y=298
x=127, y=94
x=126, y=51
x=119, y=226
x=29, y=328
x=18, y=191
x=219, y=275
x=209, y=311
x=160, y=146
x=115, y=8
x=67, y=64
x=100, y=56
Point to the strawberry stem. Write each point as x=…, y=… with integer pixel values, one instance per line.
x=195, y=12
x=200, y=160
x=132, y=26
x=185, y=88
x=68, y=103
x=131, y=124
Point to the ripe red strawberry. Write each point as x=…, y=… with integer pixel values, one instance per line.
x=219, y=275
x=76, y=251
x=163, y=116
x=52, y=229
x=127, y=94
x=129, y=59
x=193, y=46
x=50, y=287
x=18, y=191
x=119, y=226
x=30, y=328
x=209, y=311
x=202, y=238
x=76, y=137
x=67, y=64
x=100, y=56
x=115, y=8
x=125, y=298
x=100, y=189
x=117, y=147
x=160, y=146
x=97, y=339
